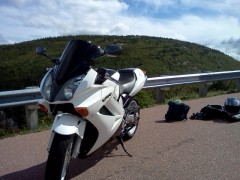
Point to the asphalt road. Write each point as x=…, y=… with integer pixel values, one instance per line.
x=188, y=150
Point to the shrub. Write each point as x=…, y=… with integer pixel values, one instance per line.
x=145, y=99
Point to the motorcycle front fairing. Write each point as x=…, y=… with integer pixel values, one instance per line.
x=105, y=109
x=105, y=112
x=71, y=85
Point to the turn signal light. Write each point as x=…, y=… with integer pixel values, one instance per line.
x=43, y=108
x=83, y=111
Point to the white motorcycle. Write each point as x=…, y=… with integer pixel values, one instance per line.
x=90, y=106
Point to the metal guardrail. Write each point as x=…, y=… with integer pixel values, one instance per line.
x=31, y=96
x=166, y=81
x=19, y=97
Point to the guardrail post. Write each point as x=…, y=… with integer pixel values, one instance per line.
x=238, y=85
x=160, y=94
x=203, y=89
x=32, y=116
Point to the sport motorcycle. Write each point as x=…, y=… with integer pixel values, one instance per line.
x=90, y=106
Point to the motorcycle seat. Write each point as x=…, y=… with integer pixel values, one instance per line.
x=127, y=80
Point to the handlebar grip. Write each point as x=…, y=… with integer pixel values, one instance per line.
x=101, y=71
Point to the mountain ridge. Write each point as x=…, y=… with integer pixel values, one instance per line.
x=21, y=67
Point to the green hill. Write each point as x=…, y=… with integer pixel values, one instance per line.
x=21, y=67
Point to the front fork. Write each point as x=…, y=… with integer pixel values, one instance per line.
x=69, y=124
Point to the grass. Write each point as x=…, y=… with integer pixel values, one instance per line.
x=45, y=121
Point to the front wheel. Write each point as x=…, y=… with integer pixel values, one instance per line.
x=59, y=157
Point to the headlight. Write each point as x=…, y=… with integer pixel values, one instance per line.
x=68, y=92
x=46, y=86
x=69, y=88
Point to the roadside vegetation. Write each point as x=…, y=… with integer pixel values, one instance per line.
x=20, y=67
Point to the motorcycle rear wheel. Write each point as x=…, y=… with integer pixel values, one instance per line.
x=131, y=128
x=59, y=157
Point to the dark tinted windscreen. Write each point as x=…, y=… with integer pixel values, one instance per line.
x=75, y=60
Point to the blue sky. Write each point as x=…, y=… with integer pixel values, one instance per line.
x=213, y=23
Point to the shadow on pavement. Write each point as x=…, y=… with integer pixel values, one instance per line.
x=173, y=121
x=35, y=172
x=77, y=166
x=214, y=120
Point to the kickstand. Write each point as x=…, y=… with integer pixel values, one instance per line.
x=121, y=142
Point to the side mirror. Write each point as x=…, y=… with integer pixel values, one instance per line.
x=41, y=50
x=113, y=50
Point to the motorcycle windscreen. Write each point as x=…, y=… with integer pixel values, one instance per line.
x=75, y=60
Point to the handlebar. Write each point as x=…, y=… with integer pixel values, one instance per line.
x=104, y=75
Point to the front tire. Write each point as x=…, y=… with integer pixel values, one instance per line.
x=59, y=157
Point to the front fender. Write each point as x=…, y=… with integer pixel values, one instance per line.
x=67, y=124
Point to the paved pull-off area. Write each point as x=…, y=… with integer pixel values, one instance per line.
x=188, y=150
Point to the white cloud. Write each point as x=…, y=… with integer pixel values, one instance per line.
x=63, y=17
x=216, y=5
x=210, y=32
x=158, y=3
x=25, y=20
x=73, y=16
x=2, y=39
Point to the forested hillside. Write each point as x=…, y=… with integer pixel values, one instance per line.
x=20, y=67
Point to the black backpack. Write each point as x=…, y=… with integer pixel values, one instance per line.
x=177, y=111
